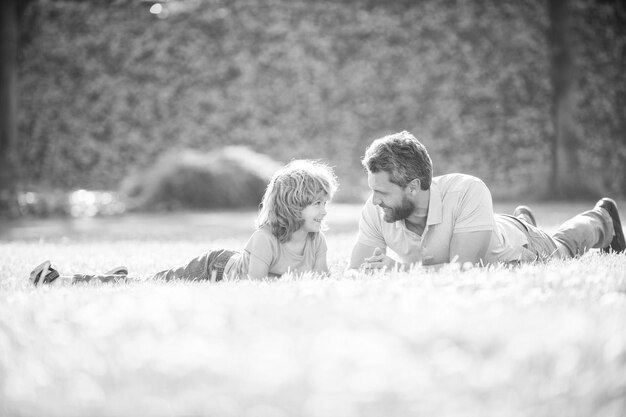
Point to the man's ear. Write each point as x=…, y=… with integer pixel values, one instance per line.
x=415, y=185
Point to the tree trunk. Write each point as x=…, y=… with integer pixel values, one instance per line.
x=8, y=105
x=566, y=179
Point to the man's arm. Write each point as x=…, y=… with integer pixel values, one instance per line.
x=470, y=247
x=360, y=252
x=370, y=236
x=464, y=247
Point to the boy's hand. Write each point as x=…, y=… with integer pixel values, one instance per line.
x=378, y=261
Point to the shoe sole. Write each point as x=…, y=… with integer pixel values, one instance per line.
x=618, y=243
x=120, y=270
x=43, y=274
x=527, y=212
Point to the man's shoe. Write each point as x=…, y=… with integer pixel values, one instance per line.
x=526, y=214
x=120, y=270
x=43, y=274
x=618, y=244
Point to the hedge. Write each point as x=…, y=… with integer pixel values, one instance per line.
x=106, y=87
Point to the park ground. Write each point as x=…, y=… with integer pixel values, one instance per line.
x=536, y=340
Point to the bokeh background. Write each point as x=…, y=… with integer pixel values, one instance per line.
x=146, y=99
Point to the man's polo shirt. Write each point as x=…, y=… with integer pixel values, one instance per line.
x=458, y=203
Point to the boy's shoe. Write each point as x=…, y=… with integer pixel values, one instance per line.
x=618, y=244
x=526, y=214
x=43, y=274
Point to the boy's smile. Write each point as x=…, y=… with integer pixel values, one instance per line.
x=313, y=215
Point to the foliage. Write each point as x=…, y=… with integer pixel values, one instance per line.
x=600, y=43
x=229, y=177
x=106, y=87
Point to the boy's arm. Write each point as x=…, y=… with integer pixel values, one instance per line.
x=321, y=265
x=260, y=251
x=257, y=269
x=321, y=255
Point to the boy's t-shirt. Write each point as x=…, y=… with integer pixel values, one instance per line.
x=265, y=247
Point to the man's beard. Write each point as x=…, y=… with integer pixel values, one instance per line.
x=401, y=212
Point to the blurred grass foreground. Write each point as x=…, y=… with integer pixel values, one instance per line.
x=539, y=340
x=543, y=340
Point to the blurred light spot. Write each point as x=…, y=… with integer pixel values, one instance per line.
x=156, y=8
x=82, y=197
x=107, y=198
x=29, y=198
x=221, y=13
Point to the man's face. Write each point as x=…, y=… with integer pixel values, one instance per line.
x=392, y=198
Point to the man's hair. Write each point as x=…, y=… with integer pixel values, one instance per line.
x=291, y=189
x=403, y=157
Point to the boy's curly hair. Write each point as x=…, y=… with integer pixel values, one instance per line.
x=291, y=189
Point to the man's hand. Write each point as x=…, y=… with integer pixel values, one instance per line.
x=378, y=261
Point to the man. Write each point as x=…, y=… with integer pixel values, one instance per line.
x=450, y=218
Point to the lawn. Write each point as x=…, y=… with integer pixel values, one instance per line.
x=538, y=340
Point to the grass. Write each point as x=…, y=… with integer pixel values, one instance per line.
x=538, y=340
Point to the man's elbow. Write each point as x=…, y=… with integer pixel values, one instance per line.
x=352, y=267
x=473, y=258
x=355, y=262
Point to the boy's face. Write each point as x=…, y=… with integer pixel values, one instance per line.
x=313, y=214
